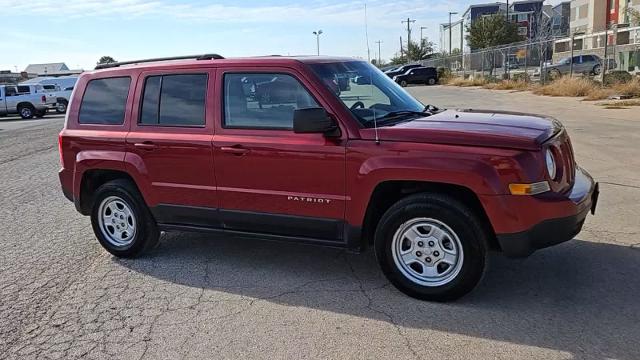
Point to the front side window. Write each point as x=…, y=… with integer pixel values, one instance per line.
x=174, y=100
x=104, y=101
x=263, y=101
x=372, y=96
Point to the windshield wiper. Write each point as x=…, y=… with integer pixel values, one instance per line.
x=399, y=113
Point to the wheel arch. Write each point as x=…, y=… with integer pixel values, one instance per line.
x=25, y=103
x=92, y=179
x=387, y=193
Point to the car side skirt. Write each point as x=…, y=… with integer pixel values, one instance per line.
x=267, y=226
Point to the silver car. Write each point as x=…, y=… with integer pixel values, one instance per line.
x=582, y=64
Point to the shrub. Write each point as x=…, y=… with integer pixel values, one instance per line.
x=444, y=73
x=617, y=77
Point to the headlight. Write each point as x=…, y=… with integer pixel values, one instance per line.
x=551, y=164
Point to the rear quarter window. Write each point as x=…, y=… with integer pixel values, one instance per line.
x=104, y=101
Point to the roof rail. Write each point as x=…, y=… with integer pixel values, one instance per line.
x=186, y=57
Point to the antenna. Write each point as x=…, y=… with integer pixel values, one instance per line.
x=366, y=32
x=375, y=117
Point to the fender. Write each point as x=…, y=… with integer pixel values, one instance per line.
x=483, y=171
x=89, y=160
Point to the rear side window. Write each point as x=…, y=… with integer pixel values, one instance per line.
x=104, y=101
x=174, y=100
x=23, y=90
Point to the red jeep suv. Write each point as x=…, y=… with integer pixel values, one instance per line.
x=274, y=148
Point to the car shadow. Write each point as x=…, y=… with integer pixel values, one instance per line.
x=579, y=297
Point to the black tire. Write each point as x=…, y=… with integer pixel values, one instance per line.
x=26, y=111
x=431, y=81
x=597, y=70
x=146, y=233
x=61, y=107
x=452, y=213
x=403, y=83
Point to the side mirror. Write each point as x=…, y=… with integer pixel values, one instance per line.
x=314, y=120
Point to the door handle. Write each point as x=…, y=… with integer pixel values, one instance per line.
x=235, y=150
x=145, y=145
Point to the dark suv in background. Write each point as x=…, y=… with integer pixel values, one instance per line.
x=421, y=75
x=401, y=70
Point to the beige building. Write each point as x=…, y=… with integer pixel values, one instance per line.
x=596, y=15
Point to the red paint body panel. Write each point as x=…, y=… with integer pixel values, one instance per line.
x=280, y=172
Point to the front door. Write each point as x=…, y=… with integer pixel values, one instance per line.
x=170, y=140
x=270, y=179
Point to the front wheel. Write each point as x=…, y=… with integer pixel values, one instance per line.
x=403, y=83
x=121, y=220
x=431, y=247
x=597, y=70
x=431, y=81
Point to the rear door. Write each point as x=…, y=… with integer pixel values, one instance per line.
x=170, y=140
x=270, y=179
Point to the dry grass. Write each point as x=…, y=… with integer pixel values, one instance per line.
x=621, y=104
x=568, y=87
x=475, y=81
x=509, y=85
x=565, y=86
x=631, y=88
x=599, y=93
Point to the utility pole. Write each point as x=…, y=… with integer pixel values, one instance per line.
x=379, y=56
x=450, y=13
x=401, y=51
x=317, y=34
x=409, y=22
x=508, y=11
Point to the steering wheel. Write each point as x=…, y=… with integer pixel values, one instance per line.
x=357, y=104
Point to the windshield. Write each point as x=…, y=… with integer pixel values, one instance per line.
x=370, y=94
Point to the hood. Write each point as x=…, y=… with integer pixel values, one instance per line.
x=475, y=128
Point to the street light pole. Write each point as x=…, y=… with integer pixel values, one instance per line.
x=421, y=37
x=379, y=56
x=317, y=34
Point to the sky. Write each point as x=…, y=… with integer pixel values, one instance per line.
x=79, y=32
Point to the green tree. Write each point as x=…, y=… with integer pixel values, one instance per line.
x=491, y=31
x=397, y=60
x=419, y=51
x=106, y=60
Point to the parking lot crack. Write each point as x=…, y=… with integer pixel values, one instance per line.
x=385, y=314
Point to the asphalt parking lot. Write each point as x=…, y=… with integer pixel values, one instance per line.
x=198, y=296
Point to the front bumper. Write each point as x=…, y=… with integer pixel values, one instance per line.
x=582, y=200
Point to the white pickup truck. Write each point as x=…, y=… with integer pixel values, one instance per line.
x=25, y=100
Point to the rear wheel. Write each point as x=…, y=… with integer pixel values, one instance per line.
x=431, y=247
x=26, y=111
x=121, y=220
x=61, y=107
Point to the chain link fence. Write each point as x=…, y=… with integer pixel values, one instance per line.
x=580, y=55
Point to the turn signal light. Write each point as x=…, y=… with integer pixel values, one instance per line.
x=529, y=189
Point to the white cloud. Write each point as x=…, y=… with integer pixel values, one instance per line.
x=384, y=13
